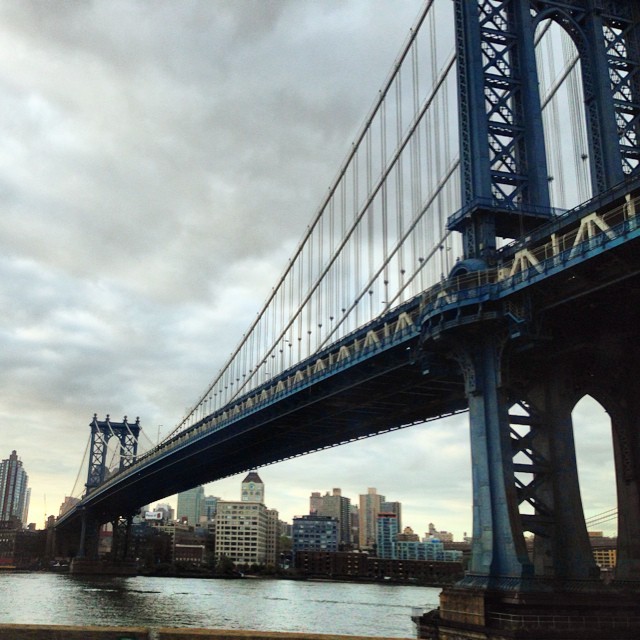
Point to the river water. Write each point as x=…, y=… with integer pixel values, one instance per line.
x=266, y=605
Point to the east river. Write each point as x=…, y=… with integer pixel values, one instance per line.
x=267, y=605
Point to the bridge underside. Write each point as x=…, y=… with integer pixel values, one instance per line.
x=374, y=396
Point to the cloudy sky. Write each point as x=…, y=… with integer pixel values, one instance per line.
x=158, y=164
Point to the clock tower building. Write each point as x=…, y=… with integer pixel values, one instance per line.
x=253, y=488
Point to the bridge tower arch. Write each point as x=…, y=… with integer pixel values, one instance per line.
x=101, y=432
x=606, y=36
x=612, y=377
x=504, y=173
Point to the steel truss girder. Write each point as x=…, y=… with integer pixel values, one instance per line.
x=532, y=475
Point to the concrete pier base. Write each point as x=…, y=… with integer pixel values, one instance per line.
x=483, y=614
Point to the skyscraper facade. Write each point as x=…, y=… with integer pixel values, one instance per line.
x=370, y=507
x=354, y=520
x=393, y=507
x=209, y=507
x=241, y=532
x=273, y=537
x=190, y=505
x=315, y=502
x=336, y=506
x=14, y=492
x=386, y=535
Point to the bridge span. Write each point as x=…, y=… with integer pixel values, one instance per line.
x=579, y=272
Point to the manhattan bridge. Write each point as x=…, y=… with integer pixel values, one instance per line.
x=490, y=201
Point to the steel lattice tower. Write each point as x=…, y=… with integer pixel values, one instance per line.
x=521, y=432
x=101, y=432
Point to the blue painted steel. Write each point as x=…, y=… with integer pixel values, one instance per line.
x=453, y=303
x=101, y=432
x=498, y=546
x=504, y=169
x=607, y=37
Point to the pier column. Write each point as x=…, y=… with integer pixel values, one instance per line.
x=524, y=468
x=89, y=535
x=626, y=450
x=498, y=549
x=82, y=551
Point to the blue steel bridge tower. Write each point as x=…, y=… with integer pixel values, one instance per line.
x=525, y=366
x=101, y=432
x=127, y=435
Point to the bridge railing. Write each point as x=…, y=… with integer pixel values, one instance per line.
x=592, y=232
x=566, y=622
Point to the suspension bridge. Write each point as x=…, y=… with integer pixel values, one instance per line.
x=476, y=252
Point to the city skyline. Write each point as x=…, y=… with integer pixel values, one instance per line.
x=187, y=497
x=156, y=181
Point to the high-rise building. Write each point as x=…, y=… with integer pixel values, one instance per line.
x=241, y=532
x=273, y=537
x=354, y=519
x=253, y=488
x=370, y=507
x=209, y=508
x=14, y=493
x=393, y=507
x=315, y=502
x=190, y=505
x=315, y=533
x=246, y=532
x=386, y=534
x=336, y=506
